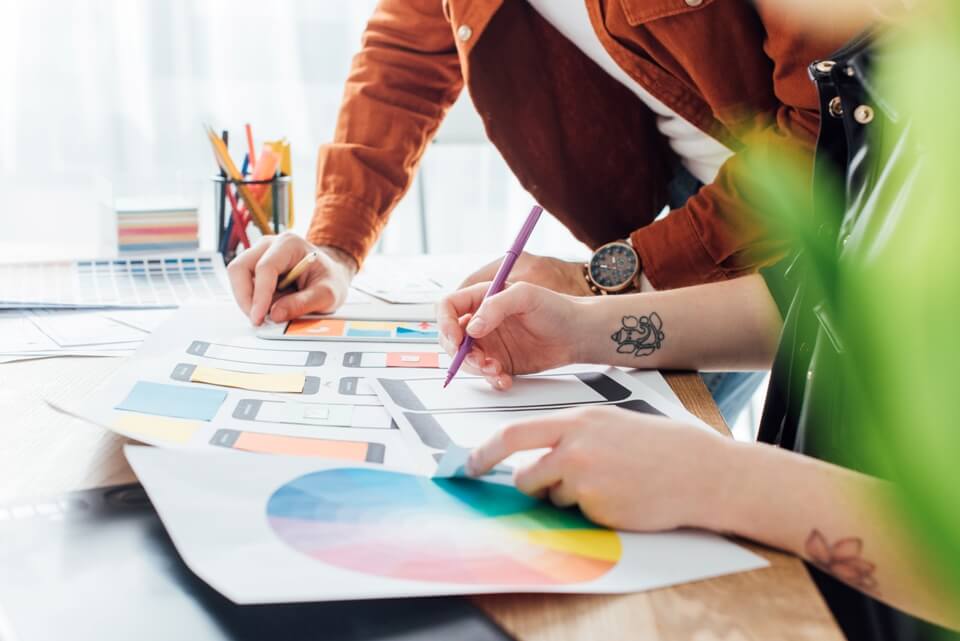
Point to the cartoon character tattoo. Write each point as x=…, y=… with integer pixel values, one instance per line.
x=842, y=559
x=640, y=336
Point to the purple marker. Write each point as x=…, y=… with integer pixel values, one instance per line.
x=497, y=285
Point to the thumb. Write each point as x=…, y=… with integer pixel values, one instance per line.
x=514, y=300
x=317, y=298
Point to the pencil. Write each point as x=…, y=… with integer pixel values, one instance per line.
x=224, y=236
x=253, y=154
x=297, y=271
x=226, y=163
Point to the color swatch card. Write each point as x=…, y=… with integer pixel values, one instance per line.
x=145, y=281
x=331, y=328
x=302, y=530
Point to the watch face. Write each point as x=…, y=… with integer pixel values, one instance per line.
x=613, y=266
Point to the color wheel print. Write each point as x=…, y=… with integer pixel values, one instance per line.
x=444, y=530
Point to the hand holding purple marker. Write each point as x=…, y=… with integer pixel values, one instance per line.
x=497, y=285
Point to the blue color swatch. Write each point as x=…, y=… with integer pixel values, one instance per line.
x=412, y=332
x=357, y=332
x=175, y=401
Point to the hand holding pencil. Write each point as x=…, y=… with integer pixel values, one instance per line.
x=284, y=277
x=499, y=281
x=521, y=330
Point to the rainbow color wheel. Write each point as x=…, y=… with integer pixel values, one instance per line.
x=402, y=526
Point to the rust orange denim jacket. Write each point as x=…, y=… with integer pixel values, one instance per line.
x=579, y=141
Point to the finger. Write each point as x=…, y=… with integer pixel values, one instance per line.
x=501, y=382
x=525, y=435
x=512, y=301
x=452, y=348
x=240, y=271
x=448, y=320
x=562, y=495
x=450, y=323
x=473, y=362
x=280, y=258
x=491, y=367
x=464, y=301
x=317, y=297
x=540, y=476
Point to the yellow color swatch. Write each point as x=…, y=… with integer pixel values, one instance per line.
x=372, y=325
x=157, y=428
x=284, y=382
x=602, y=545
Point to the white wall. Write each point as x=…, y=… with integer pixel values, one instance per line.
x=104, y=99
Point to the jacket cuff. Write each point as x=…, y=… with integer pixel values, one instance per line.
x=342, y=221
x=672, y=254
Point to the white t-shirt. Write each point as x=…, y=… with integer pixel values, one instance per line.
x=699, y=153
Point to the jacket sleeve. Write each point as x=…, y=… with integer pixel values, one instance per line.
x=722, y=231
x=401, y=84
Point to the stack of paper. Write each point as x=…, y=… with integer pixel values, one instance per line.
x=43, y=333
x=98, y=307
x=146, y=227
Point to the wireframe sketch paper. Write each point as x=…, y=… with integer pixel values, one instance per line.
x=204, y=379
x=469, y=412
x=302, y=530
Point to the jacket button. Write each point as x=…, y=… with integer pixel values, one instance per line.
x=835, y=107
x=863, y=114
x=694, y=3
x=825, y=66
x=464, y=32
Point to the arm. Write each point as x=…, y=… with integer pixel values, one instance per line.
x=729, y=326
x=400, y=86
x=402, y=82
x=525, y=328
x=648, y=473
x=729, y=227
x=846, y=523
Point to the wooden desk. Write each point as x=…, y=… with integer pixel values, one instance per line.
x=42, y=452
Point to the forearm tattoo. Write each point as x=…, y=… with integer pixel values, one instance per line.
x=843, y=560
x=639, y=335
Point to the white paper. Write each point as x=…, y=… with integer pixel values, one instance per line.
x=84, y=328
x=214, y=509
x=399, y=286
x=22, y=337
x=147, y=320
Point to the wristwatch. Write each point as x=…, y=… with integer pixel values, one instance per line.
x=613, y=268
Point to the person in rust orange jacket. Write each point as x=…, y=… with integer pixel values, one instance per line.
x=599, y=107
